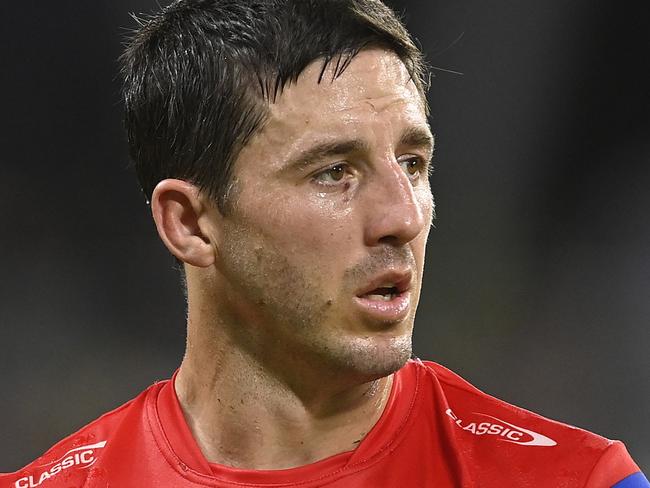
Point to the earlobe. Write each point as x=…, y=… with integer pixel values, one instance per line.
x=179, y=214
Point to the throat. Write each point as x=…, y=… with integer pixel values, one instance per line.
x=273, y=430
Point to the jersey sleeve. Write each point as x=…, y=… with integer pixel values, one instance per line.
x=616, y=469
x=636, y=480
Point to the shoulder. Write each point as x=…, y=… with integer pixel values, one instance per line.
x=473, y=411
x=493, y=432
x=69, y=460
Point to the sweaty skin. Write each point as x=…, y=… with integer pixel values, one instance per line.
x=282, y=366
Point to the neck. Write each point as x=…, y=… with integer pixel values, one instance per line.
x=245, y=414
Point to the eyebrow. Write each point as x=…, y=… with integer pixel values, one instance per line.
x=325, y=150
x=417, y=137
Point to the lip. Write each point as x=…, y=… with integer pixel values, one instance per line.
x=401, y=280
x=393, y=310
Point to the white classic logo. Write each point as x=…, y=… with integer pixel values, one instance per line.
x=504, y=430
x=81, y=457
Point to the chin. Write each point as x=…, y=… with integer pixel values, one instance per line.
x=374, y=357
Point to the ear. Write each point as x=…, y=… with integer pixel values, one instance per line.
x=181, y=217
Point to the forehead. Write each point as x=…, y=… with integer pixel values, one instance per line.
x=374, y=76
x=374, y=95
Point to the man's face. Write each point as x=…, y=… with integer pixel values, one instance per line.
x=323, y=252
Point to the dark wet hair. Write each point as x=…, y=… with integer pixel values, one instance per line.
x=199, y=75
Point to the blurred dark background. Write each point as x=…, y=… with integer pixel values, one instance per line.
x=538, y=277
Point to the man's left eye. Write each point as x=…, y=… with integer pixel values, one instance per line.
x=412, y=166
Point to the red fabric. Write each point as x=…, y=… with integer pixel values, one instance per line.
x=614, y=464
x=436, y=431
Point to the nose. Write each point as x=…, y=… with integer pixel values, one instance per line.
x=395, y=215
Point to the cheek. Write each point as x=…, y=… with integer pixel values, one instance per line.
x=427, y=204
x=310, y=226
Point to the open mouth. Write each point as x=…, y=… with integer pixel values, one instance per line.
x=382, y=293
x=387, y=297
x=386, y=286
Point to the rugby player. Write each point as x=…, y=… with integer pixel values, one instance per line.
x=284, y=148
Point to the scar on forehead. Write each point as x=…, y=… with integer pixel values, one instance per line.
x=372, y=105
x=404, y=94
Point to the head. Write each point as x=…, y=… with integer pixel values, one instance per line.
x=284, y=147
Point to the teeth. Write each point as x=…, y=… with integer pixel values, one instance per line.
x=386, y=298
x=386, y=292
x=387, y=285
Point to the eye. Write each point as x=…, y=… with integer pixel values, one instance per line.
x=332, y=175
x=413, y=166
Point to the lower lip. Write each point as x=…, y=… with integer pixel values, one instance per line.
x=393, y=310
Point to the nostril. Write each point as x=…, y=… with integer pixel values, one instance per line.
x=390, y=240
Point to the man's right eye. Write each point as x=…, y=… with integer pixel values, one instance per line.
x=331, y=175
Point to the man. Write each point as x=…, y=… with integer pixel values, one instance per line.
x=284, y=147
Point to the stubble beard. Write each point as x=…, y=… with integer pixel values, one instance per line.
x=295, y=321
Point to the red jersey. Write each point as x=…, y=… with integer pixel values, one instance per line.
x=437, y=430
